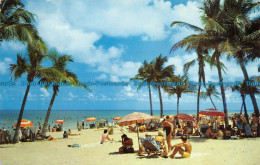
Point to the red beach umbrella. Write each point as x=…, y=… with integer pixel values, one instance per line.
x=60, y=121
x=25, y=123
x=185, y=117
x=91, y=119
x=212, y=112
x=117, y=118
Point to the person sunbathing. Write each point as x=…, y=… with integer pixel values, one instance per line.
x=105, y=137
x=209, y=133
x=75, y=134
x=218, y=135
x=179, y=131
x=127, y=144
x=178, y=148
x=160, y=142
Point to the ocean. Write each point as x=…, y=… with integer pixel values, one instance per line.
x=9, y=117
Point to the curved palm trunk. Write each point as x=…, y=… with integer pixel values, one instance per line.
x=150, y=96
x=178, y=105
x=161, y=104
x=198, y=99
x=48, y=113
x=16, y=134
x=212, y=102
x=243, y=98
x=242, y=65
x=222, y=90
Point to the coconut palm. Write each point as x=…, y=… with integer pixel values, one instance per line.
x=17, y=24
x=210, y=91
x=243, y=37
x=244, y=90
x=160, y=75
x=144, y=78
x=182, y=86
x=30, y=65
x=59, y=62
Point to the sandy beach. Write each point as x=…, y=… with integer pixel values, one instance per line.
x=205, y=151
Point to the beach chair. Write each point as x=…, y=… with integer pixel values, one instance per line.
x=151, y=148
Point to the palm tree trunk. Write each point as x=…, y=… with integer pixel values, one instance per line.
x=198, y=99
x=48, y=113
x=222, y=90
x=16, y=134
x=212, y=102
x=243, y=97
x=178, y=105
x=242, y=65
x=150, y=96
x=161, y=104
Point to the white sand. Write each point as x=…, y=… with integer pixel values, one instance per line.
x=205, y=151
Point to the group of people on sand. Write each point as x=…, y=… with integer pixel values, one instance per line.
x=239, y=128
x=183, y=148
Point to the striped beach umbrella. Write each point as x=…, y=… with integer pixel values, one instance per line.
x=135, y=118
x=212, y=112
x=25, y=123
x=91, y=119
x=60, y=121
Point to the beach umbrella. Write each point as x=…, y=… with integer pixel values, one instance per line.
x=60, y=121
x=135, y=118
x=212, y=112
x=101, y=120
x=117, y=118
x=200, y=115
x=185, y=117
x=25, y=123
x=91, y=119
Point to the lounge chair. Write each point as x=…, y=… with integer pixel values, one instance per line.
x=151, y=148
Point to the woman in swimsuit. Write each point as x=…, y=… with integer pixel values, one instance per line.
x=167, y=126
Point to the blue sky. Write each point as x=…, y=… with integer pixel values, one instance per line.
x=109, y=40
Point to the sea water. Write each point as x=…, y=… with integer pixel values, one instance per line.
x=9, y=117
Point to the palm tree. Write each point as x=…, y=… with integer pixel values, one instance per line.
x=59, y=62
x=32, y=67
x=144, y=78
x=160, y=75
x=179, y=89
x=17, y=24
x=243, y=37
x=244, y=90
x=210, y=91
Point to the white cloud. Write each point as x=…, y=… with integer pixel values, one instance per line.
x=180, y=14
x=101, y=77
x=75, y=27
x=44, y=92
x=4, y=65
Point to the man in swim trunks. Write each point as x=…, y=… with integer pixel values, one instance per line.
x=177, y=148
x=167, y=126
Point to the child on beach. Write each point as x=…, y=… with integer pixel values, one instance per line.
x=178, y=148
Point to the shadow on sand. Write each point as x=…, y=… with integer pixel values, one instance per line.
x=120, y=153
